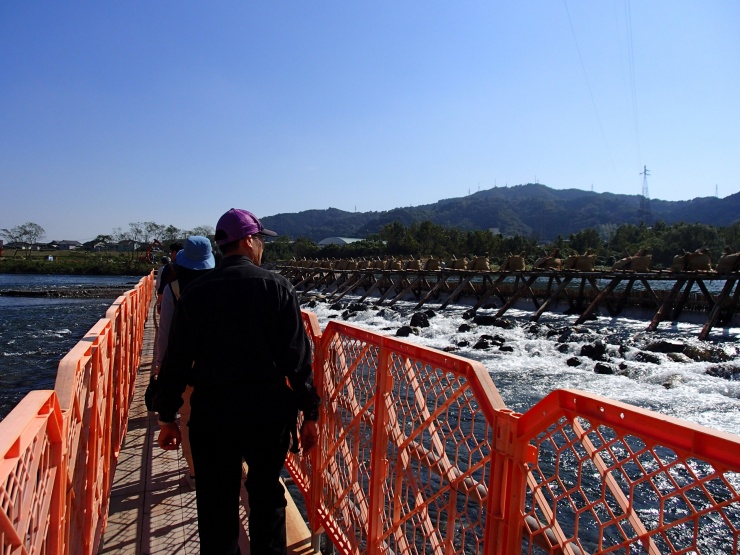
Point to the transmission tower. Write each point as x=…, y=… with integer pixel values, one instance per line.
x=645, y=215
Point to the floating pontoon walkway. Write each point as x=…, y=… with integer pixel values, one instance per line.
x=152, y=511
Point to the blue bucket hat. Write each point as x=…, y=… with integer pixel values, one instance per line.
x=197, y=254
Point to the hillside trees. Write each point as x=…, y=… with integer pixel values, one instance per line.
x=585, y=239
x=424, y=239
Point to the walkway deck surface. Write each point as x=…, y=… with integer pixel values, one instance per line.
x=152, y=510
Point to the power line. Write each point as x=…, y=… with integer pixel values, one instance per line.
x=633, y=86
x=590, y=92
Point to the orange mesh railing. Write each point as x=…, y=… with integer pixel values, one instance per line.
x=419, y=454
x=613, y=478
x=300, y=467
x=31, y=468
x=59, y=448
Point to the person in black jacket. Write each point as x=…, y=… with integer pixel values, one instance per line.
x=238, y=338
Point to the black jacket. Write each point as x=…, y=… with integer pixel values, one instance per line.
x=237, y=331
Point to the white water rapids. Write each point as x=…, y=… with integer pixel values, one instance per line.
x=527, y=360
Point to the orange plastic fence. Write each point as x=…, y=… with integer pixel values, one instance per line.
x=60, y=447
x=418, y=454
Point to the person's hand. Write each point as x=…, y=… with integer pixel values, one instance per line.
x=309, y=435
x=169, y=437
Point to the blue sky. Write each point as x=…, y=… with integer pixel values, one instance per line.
x=175, y=111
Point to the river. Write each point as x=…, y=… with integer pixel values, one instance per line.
x=36, y=332
x=527, y=361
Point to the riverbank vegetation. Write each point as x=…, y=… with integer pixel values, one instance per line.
x=76, y=262
x=609, y=243
x=424, y=239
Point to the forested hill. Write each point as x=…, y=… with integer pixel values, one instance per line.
x=528, y=210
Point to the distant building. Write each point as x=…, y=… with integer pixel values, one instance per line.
x=68, y=245
x=338, y=241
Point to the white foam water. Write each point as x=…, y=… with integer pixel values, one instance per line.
x=671, y=384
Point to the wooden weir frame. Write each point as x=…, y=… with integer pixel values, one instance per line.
x=580, y=290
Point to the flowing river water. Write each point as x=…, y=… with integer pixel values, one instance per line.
x=700, y=382
x=36, y=330
x=525, y=360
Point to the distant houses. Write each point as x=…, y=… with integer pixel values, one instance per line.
x=67, y=245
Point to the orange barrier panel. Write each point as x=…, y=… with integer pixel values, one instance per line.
x=613, y=478
x=299, y=466
x=418, y=454
x=31, y=476
x=406, y=449
x=84, y=388
x=65, y=478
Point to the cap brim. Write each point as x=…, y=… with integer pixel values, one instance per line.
x=267, y=232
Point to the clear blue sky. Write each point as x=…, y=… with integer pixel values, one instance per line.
x=174, y=111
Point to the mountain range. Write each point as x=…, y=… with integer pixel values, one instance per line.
x=529, y=210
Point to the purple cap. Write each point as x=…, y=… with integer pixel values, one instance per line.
x=237, y=224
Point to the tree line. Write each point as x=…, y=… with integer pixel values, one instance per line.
x=422, y=239
x=141, y=233
x=608, y=242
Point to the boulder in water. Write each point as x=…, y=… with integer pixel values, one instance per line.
x=665, y=346
x=405, y=331
x=705, y=354
x=678, y=357
x=595, y=351
x=420, y=320
x=725, y=371
x=643, y=356
x=672, y=381
x=604, y=368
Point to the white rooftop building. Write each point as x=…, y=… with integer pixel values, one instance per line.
x=338, y=241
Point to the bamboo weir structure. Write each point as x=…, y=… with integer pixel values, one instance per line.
x=671, y=295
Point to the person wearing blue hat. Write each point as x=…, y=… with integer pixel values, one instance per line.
x=238, y=338
x=192, y=261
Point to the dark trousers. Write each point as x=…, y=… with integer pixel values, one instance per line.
x=218, y=445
